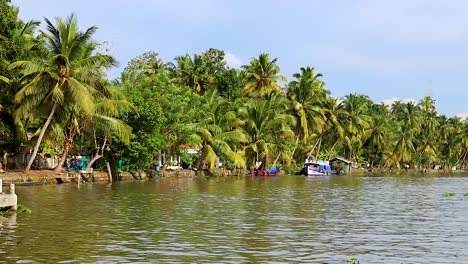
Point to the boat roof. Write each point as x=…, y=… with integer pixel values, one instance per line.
x=316, y=162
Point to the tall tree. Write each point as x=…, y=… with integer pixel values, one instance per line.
x=357, y=120
x=308, y=96
x=17, y=41
x=408, y=122
x=270, y=130
x=66, y=73
x=427, y=143
x=262, y=76
x=217, y=136
x=199, y=71
x=148, y=64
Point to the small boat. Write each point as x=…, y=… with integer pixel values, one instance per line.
x=317, y=168
x=273, y=171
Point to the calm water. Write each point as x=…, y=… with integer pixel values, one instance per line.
x=286, y=219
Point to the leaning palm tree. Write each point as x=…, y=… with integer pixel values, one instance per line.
x=102, y=126
x=270, y=129
x=105, y=125
x=216, y=133
x=262, y=76
x=66, y=73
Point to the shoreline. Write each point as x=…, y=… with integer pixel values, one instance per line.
x=40, y=177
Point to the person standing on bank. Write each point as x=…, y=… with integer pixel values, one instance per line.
x=5, y=161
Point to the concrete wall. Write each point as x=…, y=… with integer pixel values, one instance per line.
x=8, y=200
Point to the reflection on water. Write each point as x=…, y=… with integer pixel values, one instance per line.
x=289, y=219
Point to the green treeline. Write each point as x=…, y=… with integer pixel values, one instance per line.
x=55, y=98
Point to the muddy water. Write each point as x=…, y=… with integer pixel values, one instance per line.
x=286, y=219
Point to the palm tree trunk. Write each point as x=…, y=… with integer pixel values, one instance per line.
x=63, y=157
x=313, y=148
x=295, y=148
x=41, y=136
x=276, y=160
x=332, y=149
x=66, y=149
x=462, y=156
x=319, y=146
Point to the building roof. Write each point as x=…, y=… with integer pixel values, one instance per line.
x=341, y=159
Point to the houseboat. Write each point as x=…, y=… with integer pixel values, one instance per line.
x=317, y=168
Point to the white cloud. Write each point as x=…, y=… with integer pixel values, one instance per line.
x=232, y=60
x=390, y=101
x=463, y=116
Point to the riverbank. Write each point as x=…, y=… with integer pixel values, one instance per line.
x=39, y=177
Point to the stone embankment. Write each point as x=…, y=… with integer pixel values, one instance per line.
x=40, y=177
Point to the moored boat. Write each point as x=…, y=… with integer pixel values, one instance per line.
x=273, y=171
x=317, y=168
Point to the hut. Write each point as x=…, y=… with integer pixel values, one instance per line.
x=341, y=165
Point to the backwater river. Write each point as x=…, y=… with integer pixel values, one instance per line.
x=282, y=219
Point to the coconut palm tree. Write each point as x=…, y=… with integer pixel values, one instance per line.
x=357, y=121
x=270, y=129
x=66, y=73
x=307, y=95
x=463, y=137
x=192, y=72
x=105, y=125
x=375, y=135
x=427, y=143
x=148, y=64
x=102, y=126
x=216, y=133
x=262, y=76
x=408, y=119
x=333, y=131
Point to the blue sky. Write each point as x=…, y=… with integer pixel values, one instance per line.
x=386, y=49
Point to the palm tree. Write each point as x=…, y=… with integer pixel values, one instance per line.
x=216, y=133
x=262, y=76
x=192, y=72
x=66, y=73
x=102, y=126
x=463, y=137
x=357, y=120
x=375, y=135
x=270, y=129
x=333, y=131
x=105, y=125
x=408, y=118
x=148, y=64
x=427, y=143
x=308, y=95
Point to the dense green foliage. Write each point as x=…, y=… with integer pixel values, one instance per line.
x=54, y=88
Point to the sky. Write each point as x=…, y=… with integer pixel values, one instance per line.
x=389, y=50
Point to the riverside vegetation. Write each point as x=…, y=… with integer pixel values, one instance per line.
x=56, y=98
